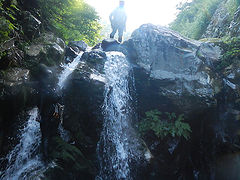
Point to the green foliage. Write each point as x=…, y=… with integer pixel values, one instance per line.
x=67, y=155
x=231, y=49
x=232, y=6
x=71, y=19
x=194, y=17
x=165, y=124
x=5, y=29
x=7, y=19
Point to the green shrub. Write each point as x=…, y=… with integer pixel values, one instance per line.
x=231, y=53
x=165, y=124
x=72, y=20
x=194, y=17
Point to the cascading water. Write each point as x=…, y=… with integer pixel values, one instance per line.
x=67, y=70
x=24, y=161
x=115, y=149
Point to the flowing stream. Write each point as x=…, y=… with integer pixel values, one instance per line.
x=24, y=161
x=115, y=149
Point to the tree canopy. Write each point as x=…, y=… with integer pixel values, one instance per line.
x=194, y=17
x=69, y=19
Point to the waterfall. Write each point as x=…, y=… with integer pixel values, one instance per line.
x=67, y=70
x=115, y=149
x=24, y=161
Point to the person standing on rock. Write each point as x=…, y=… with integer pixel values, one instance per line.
x=118, y=20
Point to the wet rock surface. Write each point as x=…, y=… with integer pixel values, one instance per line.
x=175, y=74
x=218, y=25
x=46, y=49
x=31, y=25
x=179, y=65
x=171, y=74
x=223, y=22
x=78, y=45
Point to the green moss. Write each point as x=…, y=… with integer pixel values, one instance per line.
x=231, y=53
x=164, y=125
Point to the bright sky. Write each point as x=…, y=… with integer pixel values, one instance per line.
x=160, y=12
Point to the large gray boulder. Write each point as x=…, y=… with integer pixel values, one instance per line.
x=176, y=74
x=47, y=49
x=179, y=64
x=78, y=46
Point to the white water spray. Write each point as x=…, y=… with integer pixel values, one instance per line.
x=115, y=149
x=68, y=69
x=24, y=161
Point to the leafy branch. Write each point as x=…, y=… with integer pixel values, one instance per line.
x=165, y=124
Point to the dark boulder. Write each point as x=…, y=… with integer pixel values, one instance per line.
x=108, y=44
x=95, y=59
x=83, y=98
x=70, y=54
x=78, y=45
x=176, y=74
x=172, y=61
x=11, y=55
x=14, y=98
x=46, y=49
x=30, y=25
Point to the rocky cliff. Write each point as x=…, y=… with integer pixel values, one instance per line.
x=172, y=74
x=225, y=21
x=179, y=75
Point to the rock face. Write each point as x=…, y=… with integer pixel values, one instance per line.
x=83, y=98
x=224, y=22
x=177, y=62
x=14, y=97
x=14, y=56
x=235, y=25
x=78, y=45
x=30, y=25
x=46, y=49
x=175, y=74
x=95, y=58
x=218, y=26
x=171, y=74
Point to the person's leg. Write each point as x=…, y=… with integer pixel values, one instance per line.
x=120, y=34
x=114, y=30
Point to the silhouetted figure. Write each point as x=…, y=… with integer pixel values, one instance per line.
x=118, y=20
x=48, y=107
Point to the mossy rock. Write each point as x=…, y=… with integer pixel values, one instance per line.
x=70, y=162
x=46, y=49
